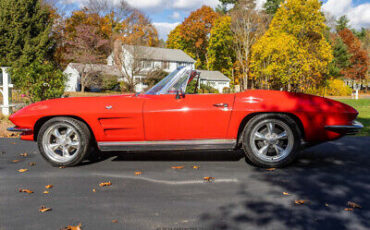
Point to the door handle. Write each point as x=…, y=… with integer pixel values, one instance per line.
x=221, y=105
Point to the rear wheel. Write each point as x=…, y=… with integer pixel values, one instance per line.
x=64, y=141
x=271, y=140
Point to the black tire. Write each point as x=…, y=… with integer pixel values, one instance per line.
x=81, y=129
x=250, y=145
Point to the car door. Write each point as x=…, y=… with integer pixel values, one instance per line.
x=198, y=116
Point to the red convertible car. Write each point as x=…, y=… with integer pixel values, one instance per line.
x=270, y=126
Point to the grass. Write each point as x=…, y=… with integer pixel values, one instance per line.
x=363, y=107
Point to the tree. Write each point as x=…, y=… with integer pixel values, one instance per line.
x=194, y=35
x=358, y=68
x=293, y=53
x=271, y=6
x=247, y=26
x=220, y=55
x=341, y=57
x=88, y=47
x=342, y=23
x=25, y=28
x=39, y=80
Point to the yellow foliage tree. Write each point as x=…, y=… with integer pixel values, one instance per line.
x=293, y=54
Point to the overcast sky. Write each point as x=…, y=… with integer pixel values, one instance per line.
x=166, y=14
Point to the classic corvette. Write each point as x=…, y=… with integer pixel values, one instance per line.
x=270, y=126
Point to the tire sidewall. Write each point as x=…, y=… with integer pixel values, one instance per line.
x=82, y=131
x=253, y=158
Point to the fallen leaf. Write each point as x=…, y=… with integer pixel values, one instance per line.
x=103, y=184
x=114, y=221
x=62, y=167
x=348, y=209
x=13, y=143
x=32, y=164
x=138, y=173
x=44, y=209
x=177, y=167
x=25, y=191
x=49, y=186
x=94, y=190
x=208, y=178
x=70, y=227
x=195, y=167
x=46, y=192
x=23, y=154
x=286, y=194
x=353, y=204
x=326, y=205
x=300, y=201
x=22, y=170
x=271, y=169
x=15, y=161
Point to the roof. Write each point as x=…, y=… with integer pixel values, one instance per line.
x=212, y=75
x=104, y=69
x=159, y=54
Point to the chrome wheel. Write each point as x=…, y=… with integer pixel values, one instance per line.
x=61, y=142
x=271, y=140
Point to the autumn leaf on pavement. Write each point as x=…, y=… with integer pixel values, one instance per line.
x=138, y=173
x=286, y=194
x=22, y=170
x=94, y=190
x=300, y=201
x=103, y=184
x=49, y=186
x=44, y=209
x=177, y=167
x=353, y=204
x=348, y=209
x=32, y=164
x=271, y=169
x=195, y=167
x=15, y=161
x=46, y=192
x=70, y=227
x=25, y=191
x=114, y=221
x=208, y=178
x=23, y=154
x=62, y=167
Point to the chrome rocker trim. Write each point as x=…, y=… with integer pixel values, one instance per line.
x=16, y=129
x=346, y=129
x=208, y=144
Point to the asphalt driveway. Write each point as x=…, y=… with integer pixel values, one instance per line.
x=241, y=196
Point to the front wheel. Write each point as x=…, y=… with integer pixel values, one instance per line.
x=64, y=141
x=271, y=140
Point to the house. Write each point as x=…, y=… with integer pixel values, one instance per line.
x=74, y=70
x=140, y=60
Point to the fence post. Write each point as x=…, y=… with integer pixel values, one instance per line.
x=5, y=107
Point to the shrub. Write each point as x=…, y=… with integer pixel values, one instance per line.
x=39, y=81
x=334, y=87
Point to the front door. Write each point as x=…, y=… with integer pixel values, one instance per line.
x=194, y=117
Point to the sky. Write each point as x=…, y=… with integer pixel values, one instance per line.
x=167, y=14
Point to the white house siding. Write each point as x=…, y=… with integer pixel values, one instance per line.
x=73, y=79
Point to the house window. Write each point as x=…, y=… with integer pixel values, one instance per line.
x=165, y=64
x=146, y=64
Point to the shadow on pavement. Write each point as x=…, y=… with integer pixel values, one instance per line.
x=328, y=180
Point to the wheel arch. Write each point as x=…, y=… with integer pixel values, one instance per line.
x=43, y=120
x=247, y=118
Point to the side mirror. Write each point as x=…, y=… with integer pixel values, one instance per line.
x=180, y=94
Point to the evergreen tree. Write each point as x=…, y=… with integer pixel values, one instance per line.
x=271, y=6
x=25, y=28
x=342, y=23
x=341, y=58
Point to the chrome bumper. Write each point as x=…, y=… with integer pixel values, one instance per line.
x=346, y=129
x=16, y=129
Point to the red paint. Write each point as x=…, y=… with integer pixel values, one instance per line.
x=163, y=117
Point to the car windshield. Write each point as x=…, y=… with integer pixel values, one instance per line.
x=171, y=83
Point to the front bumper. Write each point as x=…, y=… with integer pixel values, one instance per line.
x=17, y=129
x=346, y=129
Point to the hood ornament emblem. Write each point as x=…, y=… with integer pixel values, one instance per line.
x=108, y=107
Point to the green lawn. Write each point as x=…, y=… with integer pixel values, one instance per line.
x=363, y=107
